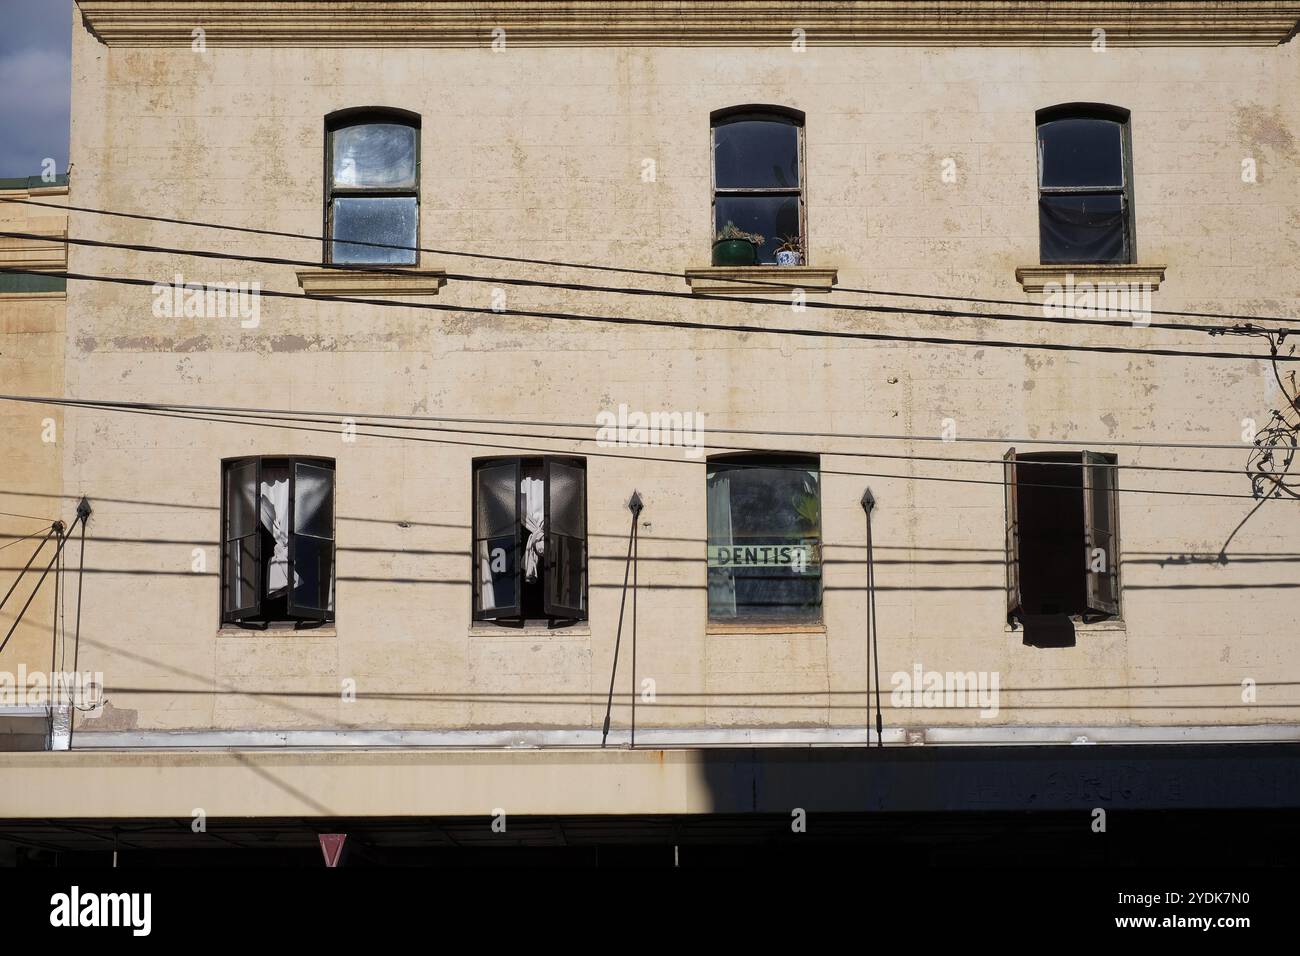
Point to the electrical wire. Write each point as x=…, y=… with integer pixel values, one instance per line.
x=381, y=421
x=276, y=422
x=627, y=290
x=563, y=264
x=689, y=325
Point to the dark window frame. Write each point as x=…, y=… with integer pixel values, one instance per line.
x=1103, y=591
x=362, y=116
x=1091, y=111
x=755, y=113
x=518, y=620
x=772, y=459
x=253, y=618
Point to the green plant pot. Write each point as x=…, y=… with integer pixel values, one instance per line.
x=735, y=252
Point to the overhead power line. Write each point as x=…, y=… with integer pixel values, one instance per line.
x=278, y=421
x=379, y=419
x=590, y=267
x=691, y=325
x=652, y=293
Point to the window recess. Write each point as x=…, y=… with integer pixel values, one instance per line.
x=530, y=541
x=764, y=540
x=277, y=561
x=1062, y=536
x=372, y=176
x=1085, y=185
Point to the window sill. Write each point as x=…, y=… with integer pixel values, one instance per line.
x=327, y=630
x=1036, y=278
x=746, y=280
x=717, y=628
x=394, y=280
x=1097, y=627
x=531, y=632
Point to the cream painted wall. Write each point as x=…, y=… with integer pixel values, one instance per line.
x=539, y=153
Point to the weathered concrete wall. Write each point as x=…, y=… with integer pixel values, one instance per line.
x=539, y=153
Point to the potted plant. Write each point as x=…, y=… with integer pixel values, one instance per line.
x=790, y=251
x=734, y=247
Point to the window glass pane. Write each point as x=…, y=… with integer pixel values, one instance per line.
x=496, y=573
x=240, y=574
x=498, y=502
x=241, y=499
x=764, y=542
x=756, y=154
x=1082, y=229
x=375, y=154
x=313, y=566
x=567, y=491
x=313, y=502
x=565, y=571
x=383, y=219
x=770, y=216
x=1080, y=152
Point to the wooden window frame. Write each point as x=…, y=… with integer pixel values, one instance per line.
x=1092, y=111
x=364, y=116
x=782, y=114
x=518, y=620
x=252, y=618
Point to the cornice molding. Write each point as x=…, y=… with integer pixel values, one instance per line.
x=602, y=23
x=50, y=253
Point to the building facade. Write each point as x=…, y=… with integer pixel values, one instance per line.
x=472, y=275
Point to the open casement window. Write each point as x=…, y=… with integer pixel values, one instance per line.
x=1085, y=185
x=758, y=177
x=372, y=183
x=530, y=540
x=1101, y=533
x=1062, y=535
x=277, y=562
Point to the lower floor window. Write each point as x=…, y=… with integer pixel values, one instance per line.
x=764, y=539
x=1062, y=535
x=530, y=540
x=277, y=561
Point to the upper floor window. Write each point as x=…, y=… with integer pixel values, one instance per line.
x=758, y=183
x=1085, y=185
x=530, y=540
x=277, y=540
x=1062, y=535
x=764, y=539
x=372, y=160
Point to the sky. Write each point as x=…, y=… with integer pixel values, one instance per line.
x=35, y=84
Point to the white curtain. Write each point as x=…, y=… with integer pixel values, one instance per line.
x=487, y=590
x=722, y=583
x=534, y=491
x=274, y=515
